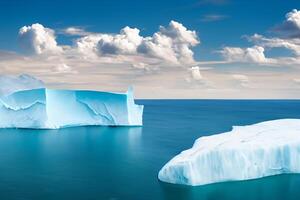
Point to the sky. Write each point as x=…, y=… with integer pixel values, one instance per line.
x=224, y=49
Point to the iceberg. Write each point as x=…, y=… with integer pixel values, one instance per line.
x=10, y=84
x=246, y=152
x=44, y=108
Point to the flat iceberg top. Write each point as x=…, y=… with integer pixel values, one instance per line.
x=10, y=84
x=246, y=152
x=28, y=104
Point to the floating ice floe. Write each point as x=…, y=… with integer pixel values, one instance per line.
x=246, y=152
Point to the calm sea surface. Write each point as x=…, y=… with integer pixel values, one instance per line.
x=122, y=163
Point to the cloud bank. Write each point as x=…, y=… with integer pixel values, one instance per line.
x=160, y=65
x=169, y=45
x=288, y=38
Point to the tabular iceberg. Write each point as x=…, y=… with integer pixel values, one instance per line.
x=44, y=108
x=246, y=152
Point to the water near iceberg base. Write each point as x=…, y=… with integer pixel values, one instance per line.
x=246, y=152
x=50, y=109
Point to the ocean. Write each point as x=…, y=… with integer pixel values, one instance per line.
x=112, y=163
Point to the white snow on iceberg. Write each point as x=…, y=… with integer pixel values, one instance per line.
x=246, y=152
x=10, y=84
x=43, y=108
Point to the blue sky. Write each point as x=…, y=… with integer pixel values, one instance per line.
x=238, y=18
x=217, y=23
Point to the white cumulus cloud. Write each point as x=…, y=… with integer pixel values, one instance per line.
x=294, y=18
x=291, y=26
x=251, y=54
x=291, y=44
x=102, y=45
x=256, y=54
x=124, y=43
x=195, y=73
x=37, y=39
x=170, y=44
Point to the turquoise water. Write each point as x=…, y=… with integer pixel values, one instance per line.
x=122, y=163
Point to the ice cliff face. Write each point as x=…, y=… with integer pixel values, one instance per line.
x=44, y=108
x=246, y=152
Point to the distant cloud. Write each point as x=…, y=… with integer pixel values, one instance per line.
x=37, y=39
x=75, y=31
x=291, y=44
x=170, y=44
x=124, y=43
x=140, y=65
x=195, y=73
x=160, y=65
x=242, y=79
x=63, y=68
x=213, y=17
x=256, y=53
x=195, y=78
x=297, y=80
x=291, y=26
x=253, y=54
